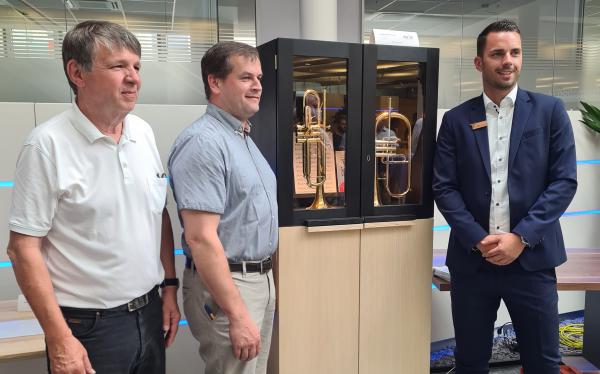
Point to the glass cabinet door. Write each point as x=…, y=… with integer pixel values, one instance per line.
x=397, y=122
x=319, y=132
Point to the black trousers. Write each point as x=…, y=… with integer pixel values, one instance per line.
x=121, y=342
x=532, y=302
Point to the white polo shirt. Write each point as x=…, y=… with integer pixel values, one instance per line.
x=98, y=206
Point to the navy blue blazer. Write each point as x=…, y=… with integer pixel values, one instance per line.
x=542, y=179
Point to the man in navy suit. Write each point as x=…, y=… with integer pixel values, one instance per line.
x=504, y=173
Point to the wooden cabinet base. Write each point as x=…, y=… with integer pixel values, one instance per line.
x=353, y=301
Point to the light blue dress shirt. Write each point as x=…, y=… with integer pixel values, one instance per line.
x=215, y=167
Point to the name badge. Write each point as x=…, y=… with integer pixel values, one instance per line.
x=478, y=125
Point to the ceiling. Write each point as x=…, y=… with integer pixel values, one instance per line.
x=158, y=12
x=443, y=7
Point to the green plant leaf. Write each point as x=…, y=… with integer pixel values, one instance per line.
x=592, y=110
x=590, y=116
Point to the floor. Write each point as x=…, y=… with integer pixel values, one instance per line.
x=506, y=370
x=501, y=370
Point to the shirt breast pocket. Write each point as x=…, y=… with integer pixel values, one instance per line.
x=157, y=193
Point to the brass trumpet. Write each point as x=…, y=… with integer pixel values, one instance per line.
x=389, y=151
x=312, y=135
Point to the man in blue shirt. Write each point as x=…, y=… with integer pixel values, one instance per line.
x=226, y=197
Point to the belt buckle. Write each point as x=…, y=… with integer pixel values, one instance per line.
x=137, y=303
x=261, y=267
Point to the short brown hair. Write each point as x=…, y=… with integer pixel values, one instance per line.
x=81, y=41
x=504, y=25
x=216, y=60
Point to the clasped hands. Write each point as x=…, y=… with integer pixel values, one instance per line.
x=501, y=249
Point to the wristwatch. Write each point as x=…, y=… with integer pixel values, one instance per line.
x=170, y=282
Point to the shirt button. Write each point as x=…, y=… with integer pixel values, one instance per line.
x=497, y=204
x=500, y=159
x=270, y=244
x=500, y=117
x=498, y=180
x=497, y=227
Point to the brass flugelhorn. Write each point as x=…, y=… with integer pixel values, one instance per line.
x=389, y=151
x=312, y=135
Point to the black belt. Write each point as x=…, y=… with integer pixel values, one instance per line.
x=262, y=266
x=132, y=306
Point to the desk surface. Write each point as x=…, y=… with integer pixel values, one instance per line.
x=581, y=272
x=26, y=346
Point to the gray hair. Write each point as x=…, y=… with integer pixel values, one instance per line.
x=81, y=41
x=216, y=60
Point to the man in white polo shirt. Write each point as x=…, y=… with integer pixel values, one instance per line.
x=90, y=238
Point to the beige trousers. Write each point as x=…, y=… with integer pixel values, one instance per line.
x=258, y=292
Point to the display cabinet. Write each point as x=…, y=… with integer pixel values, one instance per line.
x=349, y=130
x=339, y=124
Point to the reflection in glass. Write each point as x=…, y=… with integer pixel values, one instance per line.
x=319, y=143
x=397, y=124
x=339, y=126
x=392, y=154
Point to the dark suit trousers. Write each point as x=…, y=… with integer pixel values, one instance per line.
x=532, y=302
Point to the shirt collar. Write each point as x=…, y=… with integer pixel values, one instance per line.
x=508, y=99
x=228, y=119
x=127, y=134
x=91, y=132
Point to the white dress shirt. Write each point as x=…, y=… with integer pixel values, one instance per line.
x=499, y=123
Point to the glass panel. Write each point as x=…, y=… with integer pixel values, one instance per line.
x=589, y=54
x=320, y=96
x=174, y=35
x=3, y=51
x=30, y=61
x=398, y=122
x=237, y=21
x=560, y=42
